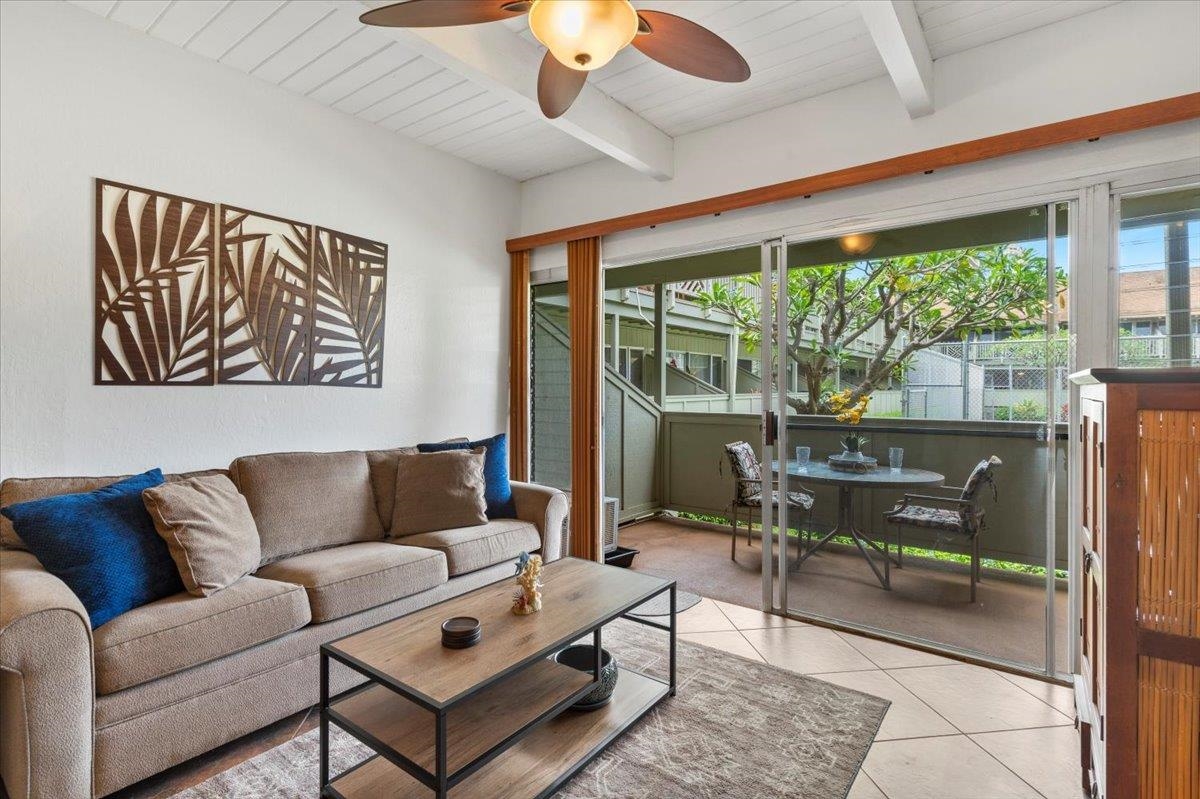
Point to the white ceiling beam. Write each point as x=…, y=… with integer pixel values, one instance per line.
x=896, y=30
x=501, y=61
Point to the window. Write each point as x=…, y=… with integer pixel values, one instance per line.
x=1158, y=297
x=629, y=364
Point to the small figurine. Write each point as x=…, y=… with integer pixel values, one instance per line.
x=529, y=598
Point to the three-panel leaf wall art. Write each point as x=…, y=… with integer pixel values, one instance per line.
x=192, y=293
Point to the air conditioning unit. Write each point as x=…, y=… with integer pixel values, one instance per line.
x=612, y=509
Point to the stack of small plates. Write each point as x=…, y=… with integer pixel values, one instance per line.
x=461, y=632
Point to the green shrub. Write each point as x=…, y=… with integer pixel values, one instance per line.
x=1028, y=411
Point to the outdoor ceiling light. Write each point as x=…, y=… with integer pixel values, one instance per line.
x=583, y=34
x=857, y=243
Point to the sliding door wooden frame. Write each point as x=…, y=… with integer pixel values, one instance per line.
x=1108, y=123
x=584, y=278
x=519, y=356
x=584, y=286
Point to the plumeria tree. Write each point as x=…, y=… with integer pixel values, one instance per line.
x=915, y=301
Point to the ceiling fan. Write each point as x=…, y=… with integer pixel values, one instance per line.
x=580, y=36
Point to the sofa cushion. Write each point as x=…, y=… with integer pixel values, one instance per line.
x=497, y=488
x=303, y=501
x=102, y=544
x=208, y=529
x=182, y=631
x=23, y=489
x=471, y=548
x=382, y=463
x=438, y=491
x=354, y=577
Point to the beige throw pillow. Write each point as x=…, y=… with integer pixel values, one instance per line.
x=208, y=529
x=438, y=491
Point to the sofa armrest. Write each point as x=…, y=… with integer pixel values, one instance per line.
x=47, y=685
x=547, y=508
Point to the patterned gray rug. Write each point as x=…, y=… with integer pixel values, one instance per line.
x=735, y=728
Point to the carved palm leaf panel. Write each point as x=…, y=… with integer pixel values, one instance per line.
x=349, y=290
x=154, y=265
x=265, y=299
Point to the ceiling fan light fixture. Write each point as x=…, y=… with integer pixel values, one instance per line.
x=583, y=34
x=857, y=243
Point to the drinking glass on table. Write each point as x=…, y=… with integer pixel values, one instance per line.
x=896, y=458
x=802, y=456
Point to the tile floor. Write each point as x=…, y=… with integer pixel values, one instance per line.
x=954, y=731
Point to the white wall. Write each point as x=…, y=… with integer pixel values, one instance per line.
x=82, y=98
x=1122, y=55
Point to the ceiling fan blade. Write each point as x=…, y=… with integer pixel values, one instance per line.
x=558, y=86
x=441, y=13
x=683, y=45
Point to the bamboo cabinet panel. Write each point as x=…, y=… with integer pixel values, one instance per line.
x=1138, y=691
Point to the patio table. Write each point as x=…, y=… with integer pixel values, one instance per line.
x=822, y=473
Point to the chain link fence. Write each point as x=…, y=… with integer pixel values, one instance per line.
x=1010, y=381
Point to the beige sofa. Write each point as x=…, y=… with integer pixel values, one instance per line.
x=84, y=713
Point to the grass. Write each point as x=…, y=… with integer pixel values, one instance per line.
x=917, y=552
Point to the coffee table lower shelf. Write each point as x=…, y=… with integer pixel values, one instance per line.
x=536, y=766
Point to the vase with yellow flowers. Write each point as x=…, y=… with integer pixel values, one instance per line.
x=851, y=412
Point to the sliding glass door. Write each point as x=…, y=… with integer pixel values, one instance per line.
x=919, y=382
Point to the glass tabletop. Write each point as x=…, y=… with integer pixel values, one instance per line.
x=878, y=477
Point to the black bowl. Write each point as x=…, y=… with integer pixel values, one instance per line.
x=582, y=657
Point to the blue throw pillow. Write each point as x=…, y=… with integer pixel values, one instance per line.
x=102, y=544
x=497, y=490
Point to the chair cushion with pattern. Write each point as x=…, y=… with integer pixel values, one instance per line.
x=746, y=468
x=924, y=516
x=981, y=472
x=795, y=499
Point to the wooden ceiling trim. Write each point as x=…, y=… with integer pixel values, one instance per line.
x=1108, y=123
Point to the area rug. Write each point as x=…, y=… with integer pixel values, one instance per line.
x=736, y=728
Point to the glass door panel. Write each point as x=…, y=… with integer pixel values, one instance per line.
x=550, y=391
x=924, y=352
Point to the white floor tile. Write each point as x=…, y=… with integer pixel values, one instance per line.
x=1057, y=696
x=1047, y=759
x=751, y=619
x=808, y=650
x=976, y=699
x=941, y=768
x=728, y=641
x=704, y=617
x=863, y=788
x=908, y=717
x=887, y=655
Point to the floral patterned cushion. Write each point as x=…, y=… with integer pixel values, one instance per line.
x=923, y=516
x=981, y=472
x=745, y=467
x=795, y=499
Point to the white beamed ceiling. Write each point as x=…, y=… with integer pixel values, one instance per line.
x=795, y=50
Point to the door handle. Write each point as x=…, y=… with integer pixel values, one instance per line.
x=771, y=420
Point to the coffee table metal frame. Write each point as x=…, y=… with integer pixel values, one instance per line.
x=440, y=781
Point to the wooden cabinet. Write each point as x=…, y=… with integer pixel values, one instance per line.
x=1138, y=690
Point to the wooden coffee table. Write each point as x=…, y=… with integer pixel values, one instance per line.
x=493, y=720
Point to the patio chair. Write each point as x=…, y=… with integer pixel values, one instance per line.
x=748, y=494
x=959, y=516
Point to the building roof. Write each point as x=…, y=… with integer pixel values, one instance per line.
x=1144, y=293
